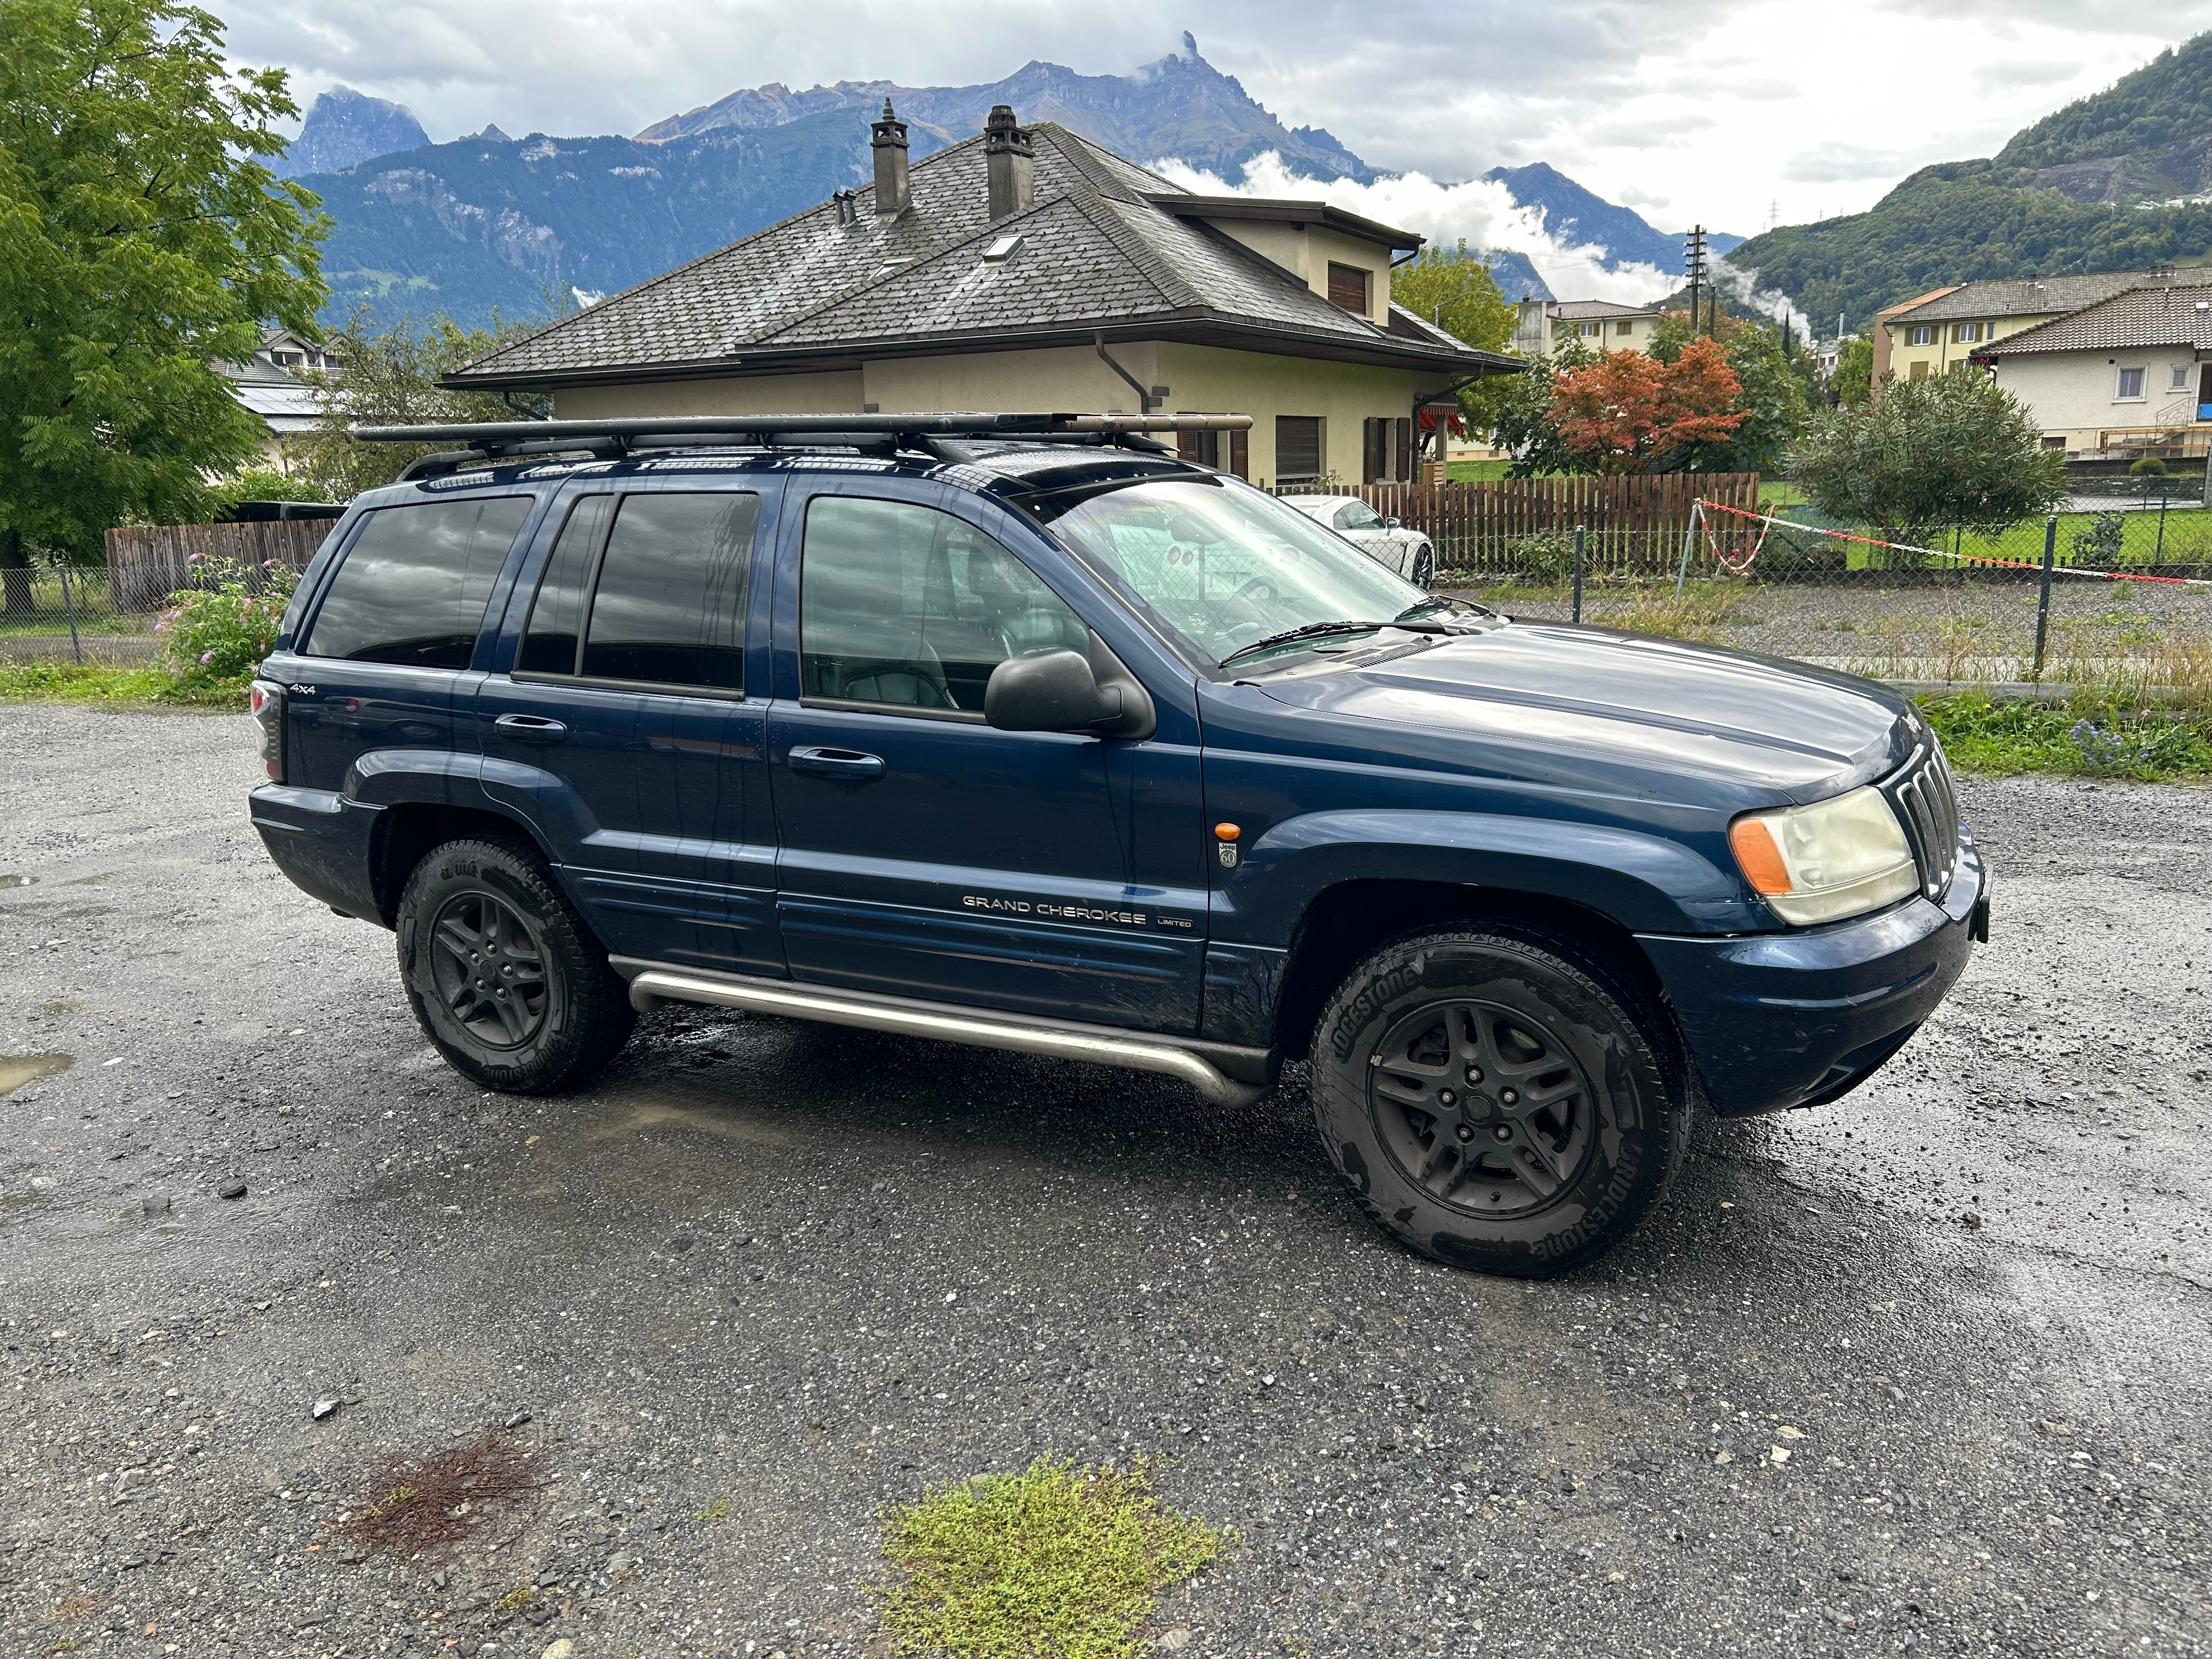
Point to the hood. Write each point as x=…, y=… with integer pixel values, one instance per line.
x=1560, y=695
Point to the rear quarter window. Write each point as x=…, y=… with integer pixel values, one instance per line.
x=412, y=587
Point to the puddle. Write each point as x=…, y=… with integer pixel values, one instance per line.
x=16, y=1070
x=16, y=881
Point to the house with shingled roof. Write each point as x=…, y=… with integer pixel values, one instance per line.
x=2128, y=376
x=1032, y=271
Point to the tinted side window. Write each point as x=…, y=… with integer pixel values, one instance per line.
x=907, y=607
x=549, y=639
x=669, y=606
x=413, y=586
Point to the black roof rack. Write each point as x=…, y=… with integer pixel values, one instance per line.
x=937, y=434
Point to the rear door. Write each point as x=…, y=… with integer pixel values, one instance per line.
x=620, y=718
x=387, y=653
x=926, y=853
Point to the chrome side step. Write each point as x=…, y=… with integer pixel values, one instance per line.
x=1101, y=1045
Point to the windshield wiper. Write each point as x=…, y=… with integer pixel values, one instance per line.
x=1419, y=606
x=1303, y=631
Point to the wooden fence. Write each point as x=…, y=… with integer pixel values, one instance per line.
x=146, y=563
x=1634, y=525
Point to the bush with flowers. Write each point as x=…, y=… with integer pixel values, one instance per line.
x=216, y=633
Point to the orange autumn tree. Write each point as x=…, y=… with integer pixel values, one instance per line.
x=1630, y=413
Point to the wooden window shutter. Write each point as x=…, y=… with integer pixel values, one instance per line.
x=1190, y=447
x=1298, y=446
x=1347, y=287
x=1370, y=468
x=1240, y=454
x=1402, y=456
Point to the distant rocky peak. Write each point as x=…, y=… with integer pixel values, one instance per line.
x=345, y=128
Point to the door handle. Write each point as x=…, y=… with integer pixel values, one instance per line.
x=529, y=728
x=836, y=762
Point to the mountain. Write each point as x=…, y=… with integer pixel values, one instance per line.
x=494, y=222
x=344, y=128
x=1574, y=215
x=489, y=222
x=2118, y=181
x=1180, y=106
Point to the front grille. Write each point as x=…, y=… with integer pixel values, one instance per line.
x=1921, y=792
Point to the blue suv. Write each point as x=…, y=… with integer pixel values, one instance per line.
x=1026, y=732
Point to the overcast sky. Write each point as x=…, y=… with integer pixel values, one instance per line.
x=1725, y=111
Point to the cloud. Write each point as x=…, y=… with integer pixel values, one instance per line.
x=1834, y=163
x=2013, y=75
x=1479, y=211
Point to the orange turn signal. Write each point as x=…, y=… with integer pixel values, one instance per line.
x=1226, y=832
x=1753, y=845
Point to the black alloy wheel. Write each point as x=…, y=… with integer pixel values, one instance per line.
x=1424, y=568
x=502, y=974
x=488, y=964
x=1481, y=1108
x=1503, y=1100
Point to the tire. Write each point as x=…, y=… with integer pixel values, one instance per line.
x=1423, y=572
x=1574, y=1123
x=503, y=976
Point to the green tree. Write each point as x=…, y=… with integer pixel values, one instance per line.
x=1772, y=394
x=1948, y=451
x=1518, y=411
x=1852, y=383
x=141, y=240
x=1454, y=290
x=390, y=377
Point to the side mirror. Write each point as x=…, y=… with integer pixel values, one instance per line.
x=1390, y=523
x=1061, y=690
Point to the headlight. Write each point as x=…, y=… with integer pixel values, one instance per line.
x=1834, y=859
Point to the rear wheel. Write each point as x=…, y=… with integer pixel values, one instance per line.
x=1498, y=1101
x=502, y=975
x=1425, y=568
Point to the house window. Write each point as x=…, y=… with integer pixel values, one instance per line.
x=1347, y=287
x=2130, y=387
x=1919, y=370
x=2179, y=382
x=1225, y=452
x=1386, y=451
x=1587, y=330
x=2058, y=443
x=1297, y=447
x=1924, y=335
x=1624, y=328
x=1966, y=333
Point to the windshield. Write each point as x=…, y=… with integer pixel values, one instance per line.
x=1359, y=516
x=1220, y=566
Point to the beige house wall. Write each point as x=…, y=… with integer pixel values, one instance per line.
x=1946, y=351
x=1200, y=379
x=2074, y=395
x=1307, y=251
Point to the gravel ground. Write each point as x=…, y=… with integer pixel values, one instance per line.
x=1923, y=1371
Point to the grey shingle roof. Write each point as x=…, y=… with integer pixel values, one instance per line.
x=2141, y=317
x=1570, y=311
x=1095, y=254
x=2015, y=296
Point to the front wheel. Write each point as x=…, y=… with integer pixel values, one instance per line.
x=1497, y=1102
x=502, y=975
x=1424, y=574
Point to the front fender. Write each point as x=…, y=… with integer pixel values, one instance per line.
x=1624, y=874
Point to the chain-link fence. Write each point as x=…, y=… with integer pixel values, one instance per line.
x=53, y=611
x=2126, y=602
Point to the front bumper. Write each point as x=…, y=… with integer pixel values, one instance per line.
x=323, y=841
x=1775, y=1020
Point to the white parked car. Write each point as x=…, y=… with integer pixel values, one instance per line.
x=1408, y=552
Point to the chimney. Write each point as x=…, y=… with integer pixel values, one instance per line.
x=1010, y=159
x=888, y=142
x=846, y=200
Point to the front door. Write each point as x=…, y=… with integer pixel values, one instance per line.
x=925, y=853
x=624, y=731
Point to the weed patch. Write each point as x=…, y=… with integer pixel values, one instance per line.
x=2086, y=736
x=1061, y=1559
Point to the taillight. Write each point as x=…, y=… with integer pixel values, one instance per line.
x=264, y=700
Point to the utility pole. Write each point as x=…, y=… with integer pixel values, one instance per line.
x=1694, y=263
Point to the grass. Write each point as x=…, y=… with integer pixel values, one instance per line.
x=108, y=687
x=1063, y=1561
x=2086, y=736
